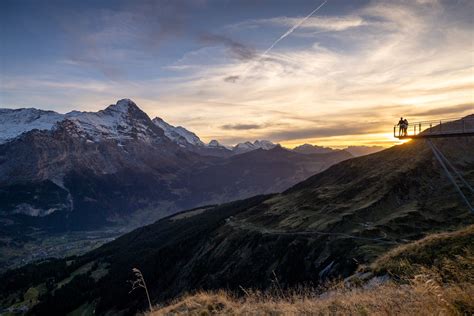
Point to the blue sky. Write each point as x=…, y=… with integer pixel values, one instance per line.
x=199, y=63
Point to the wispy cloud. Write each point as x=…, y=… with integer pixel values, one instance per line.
x=325, y=131
x=241, y=127
x=108, y=40
x=236, y=48
x=315, y=23
x=450, y=111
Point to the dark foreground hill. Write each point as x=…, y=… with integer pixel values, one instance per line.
x=432, y=276
x=324, y=227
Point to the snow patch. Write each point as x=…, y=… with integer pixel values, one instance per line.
x=14, y=122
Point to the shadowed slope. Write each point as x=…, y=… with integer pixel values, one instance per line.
x=437, y=272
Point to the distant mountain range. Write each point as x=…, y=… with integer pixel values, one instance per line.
x=312, y=149
x=355, y=151
x=117, y=168
x=324, y=227
x=107, y=124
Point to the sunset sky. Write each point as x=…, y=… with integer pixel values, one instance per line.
x=344, y=76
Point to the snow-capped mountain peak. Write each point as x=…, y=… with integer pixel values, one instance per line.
x=214, y=143
x=264, y=144
x=246, y=144
x=249, y=146
x=121, y=121
x=123, y=106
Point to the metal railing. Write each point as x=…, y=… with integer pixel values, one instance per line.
x=436, y=128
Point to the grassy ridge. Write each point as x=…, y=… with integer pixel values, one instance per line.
x=450, y=255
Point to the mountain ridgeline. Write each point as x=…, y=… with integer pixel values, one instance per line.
x=324, y=227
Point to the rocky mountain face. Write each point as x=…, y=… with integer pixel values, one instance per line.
x=101, y=142
x=178, y=134
x=190, y=141
x=323, y=227
x=113, y=168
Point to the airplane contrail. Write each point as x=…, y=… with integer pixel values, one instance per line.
x=286, y=34
x=293, y=28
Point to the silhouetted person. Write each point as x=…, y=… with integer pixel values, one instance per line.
x=400, y=124
x=405, y=127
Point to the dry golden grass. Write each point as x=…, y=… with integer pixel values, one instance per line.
x=449, y=255
x=433, y=276
x=421, y=297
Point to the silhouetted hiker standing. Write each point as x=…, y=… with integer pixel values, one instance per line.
x=405, y=127
x=401, y=124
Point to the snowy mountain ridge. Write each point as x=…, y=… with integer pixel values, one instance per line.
x=249, y=146
x=121, y=121
x=178, y=134
x=14, y=122
x=125, y=121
